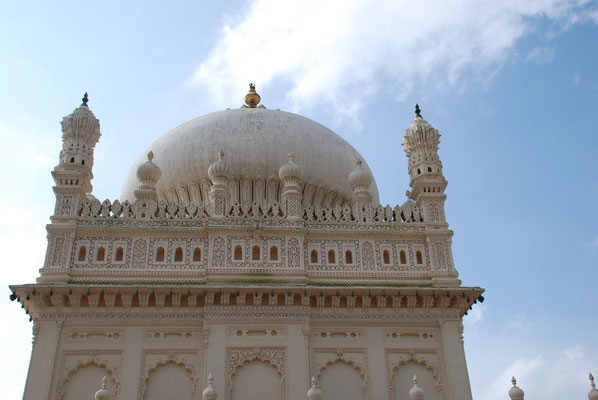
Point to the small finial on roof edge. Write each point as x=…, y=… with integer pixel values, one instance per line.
x=291, y=157
x=221, y=155
x=85, y=100
x=513, y=381
x=592, y=380
x=418, y=111
x=359, y=163
x=150, y=156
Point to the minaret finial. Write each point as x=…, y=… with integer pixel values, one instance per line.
x=418, y=111
x=85, y=99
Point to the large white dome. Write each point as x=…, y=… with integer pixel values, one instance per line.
x=256, y=143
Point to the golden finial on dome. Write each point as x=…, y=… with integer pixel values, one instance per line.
x=252, y=99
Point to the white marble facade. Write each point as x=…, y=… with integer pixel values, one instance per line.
x=227, y=255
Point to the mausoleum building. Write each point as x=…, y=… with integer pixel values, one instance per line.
x=250, y=244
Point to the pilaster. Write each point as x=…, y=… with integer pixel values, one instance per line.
x=454, y=360
x=39, y=378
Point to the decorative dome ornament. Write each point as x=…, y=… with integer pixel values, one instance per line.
x=314, y=393
x=593, y=393
x=252, y=99
x=416, y=392
x=220, y=169
x=360, y=177
x=515, y=393
x=290, y=170
x=209, y=392
x=104, y=393
x=149, y=173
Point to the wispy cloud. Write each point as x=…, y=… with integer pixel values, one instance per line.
x=551, y=375
x=341, y=54
x=476, y=315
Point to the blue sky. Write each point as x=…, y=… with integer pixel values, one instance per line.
x=512, y=88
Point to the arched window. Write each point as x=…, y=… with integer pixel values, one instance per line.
x=101, y=254
x=178, y=255
x=403, y=257
x=82, y=162
x=160, y=254
x=418, y=257
x=273, y=253
x=238, y=252
x=197, y=254
x=120, y=254
x=419, y=171
x=255, y=253
x=348, y=257
x=429, y=169
x=72, y=159
x=386, y=257
x=82, y=253
x=314, y=257
x=331, y=257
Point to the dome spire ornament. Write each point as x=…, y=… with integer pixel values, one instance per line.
x=515, y=393
x=85, y=100
x=252, y=99
x=418, y=111
x=416, y=392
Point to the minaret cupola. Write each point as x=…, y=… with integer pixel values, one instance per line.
x=80, y=133
x=421, y=145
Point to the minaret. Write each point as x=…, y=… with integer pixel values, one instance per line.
x=290, y=176
x=220, y=174
x=73, y=174
x=425, y=169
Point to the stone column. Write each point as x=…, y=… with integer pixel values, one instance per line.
x=298, y=367
x=290, y=175
x=39, y=378
x=454, y=360
x=220, y=174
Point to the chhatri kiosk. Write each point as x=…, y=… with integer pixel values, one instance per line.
x=250, y=244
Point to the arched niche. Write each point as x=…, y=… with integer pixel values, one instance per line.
x=343, y=380
x=84, y=381
x=401, y=380
x=169, y=381
x=256, y=380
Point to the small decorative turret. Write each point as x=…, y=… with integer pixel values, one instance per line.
x=148, y=175
x=252, y=99
x=416, y=392
x=73, y=174
x=209, y=392
x=220, y=174
x=104, y=393
x=425, y=169
x=593, y=393
x=515, y=393
x=314, y=393
x=421, y=145
x=80, y=133
x=360, y=180
x=290, y=174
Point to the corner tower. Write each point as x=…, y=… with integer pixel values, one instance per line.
x=425, y=169
x=73, y=174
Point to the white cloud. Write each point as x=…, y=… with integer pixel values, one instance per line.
x=476, y=315
x=340, y=54
x=551, y=375
x=541, y=55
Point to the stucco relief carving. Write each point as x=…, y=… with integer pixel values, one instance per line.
x=154, y=359
x=139, y=253
x=294, y=261
x=58, y=253
x=276, y=356
x=426, y=358
x=218, y=252
x=72, y=361
x=368, y=256
x=356, y=358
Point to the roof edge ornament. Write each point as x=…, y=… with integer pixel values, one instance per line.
x=85, y=100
